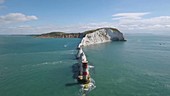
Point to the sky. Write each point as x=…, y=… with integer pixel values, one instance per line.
x=43, y=16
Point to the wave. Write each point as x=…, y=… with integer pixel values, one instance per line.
x=49, y=63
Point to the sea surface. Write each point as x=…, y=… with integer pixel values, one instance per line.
x=43, y=67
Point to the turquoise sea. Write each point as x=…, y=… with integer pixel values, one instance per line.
x=42, y=67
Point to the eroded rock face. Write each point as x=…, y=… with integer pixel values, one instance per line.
x=102, y=35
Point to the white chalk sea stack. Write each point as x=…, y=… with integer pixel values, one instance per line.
x=101, y=35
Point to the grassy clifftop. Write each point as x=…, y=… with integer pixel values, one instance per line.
x=60, y=35
x=70, y=35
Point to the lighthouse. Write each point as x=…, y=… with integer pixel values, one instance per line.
x=86, y=75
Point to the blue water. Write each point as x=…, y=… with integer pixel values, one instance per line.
x=138, y=67
x=41, y=67
x=36, y=67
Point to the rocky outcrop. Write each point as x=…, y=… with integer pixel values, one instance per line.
x=101, y=35
x=91, y=37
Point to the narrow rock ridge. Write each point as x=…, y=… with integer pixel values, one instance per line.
x=91, y=37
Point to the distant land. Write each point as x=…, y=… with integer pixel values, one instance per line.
x=59, y=35
x=70, y=35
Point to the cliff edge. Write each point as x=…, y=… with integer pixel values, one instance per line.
x=101, y=35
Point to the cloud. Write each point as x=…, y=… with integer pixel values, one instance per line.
x=27, y=29
x=137, y=22
x=2, y=1
x=125, y=22
x=15, y=18
x=129, y=15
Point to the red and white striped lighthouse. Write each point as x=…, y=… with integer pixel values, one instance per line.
x=85, y=71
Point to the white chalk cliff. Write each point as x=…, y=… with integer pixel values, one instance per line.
x=101, y=35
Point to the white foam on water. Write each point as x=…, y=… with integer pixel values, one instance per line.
x=48, y=63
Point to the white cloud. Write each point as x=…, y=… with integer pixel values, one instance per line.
x=2, y=1
x=27, y=29
x=129, y=15
x=127, y=23
x=15, y=18
x=136, y=22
